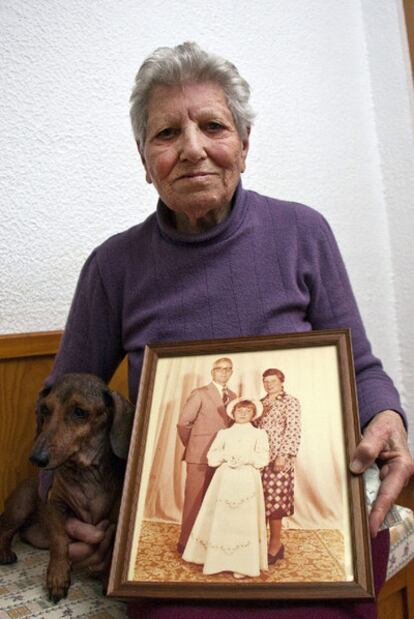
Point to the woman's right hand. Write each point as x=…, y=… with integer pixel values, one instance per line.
x=281, y=463
x=92, y=545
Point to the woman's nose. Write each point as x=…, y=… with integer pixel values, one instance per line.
x=192, y=145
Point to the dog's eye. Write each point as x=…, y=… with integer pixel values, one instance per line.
x=79, y=413
x=44, y=411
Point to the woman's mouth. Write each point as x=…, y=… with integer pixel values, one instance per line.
x=194, y=176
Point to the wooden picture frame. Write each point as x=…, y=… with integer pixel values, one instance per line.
x=328, y=530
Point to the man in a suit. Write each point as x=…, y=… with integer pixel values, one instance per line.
x=203, y=415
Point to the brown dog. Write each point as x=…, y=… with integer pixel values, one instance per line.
x=83, y=432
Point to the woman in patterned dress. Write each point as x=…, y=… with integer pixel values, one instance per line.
x=281, y=420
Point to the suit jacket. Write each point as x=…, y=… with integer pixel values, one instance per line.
x=202, y=417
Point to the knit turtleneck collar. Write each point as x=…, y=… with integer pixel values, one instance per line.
x=221, y=231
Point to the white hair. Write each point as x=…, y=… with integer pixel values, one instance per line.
x=168, y=66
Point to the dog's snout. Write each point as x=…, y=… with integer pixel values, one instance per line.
x=40, y=458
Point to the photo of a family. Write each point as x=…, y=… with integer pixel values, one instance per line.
x=227, y=531
x=244, y=477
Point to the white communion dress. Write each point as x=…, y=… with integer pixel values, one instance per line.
x=229, y=533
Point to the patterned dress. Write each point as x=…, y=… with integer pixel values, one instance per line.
x=281, y=420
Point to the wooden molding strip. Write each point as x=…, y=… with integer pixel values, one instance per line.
x=409, y=20
x=36, y=344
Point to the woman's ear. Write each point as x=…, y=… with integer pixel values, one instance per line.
x=144, y=163
x=245, y=149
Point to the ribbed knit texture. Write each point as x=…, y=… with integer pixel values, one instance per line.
x=270, y=267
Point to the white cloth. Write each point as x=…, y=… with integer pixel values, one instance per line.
x=372, y=484
x=229, y=533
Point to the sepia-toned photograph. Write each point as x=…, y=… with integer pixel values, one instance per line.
x=238, y=475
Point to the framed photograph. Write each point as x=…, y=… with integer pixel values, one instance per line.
x=237, y=481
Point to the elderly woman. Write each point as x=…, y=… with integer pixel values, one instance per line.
x=281, y=420
x=214, y=261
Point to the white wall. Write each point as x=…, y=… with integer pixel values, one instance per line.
x=332, y=89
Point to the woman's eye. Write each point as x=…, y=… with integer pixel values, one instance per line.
x=213, y=126
x=166, y=133
x=79, y=413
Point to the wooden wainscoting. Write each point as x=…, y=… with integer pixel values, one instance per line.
x=25, y=361
x=396, y=598
x=409, y=20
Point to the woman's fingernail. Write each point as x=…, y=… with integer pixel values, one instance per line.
x=356, y=466
x=103, y=525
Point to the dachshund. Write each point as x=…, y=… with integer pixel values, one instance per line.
x=83, y=433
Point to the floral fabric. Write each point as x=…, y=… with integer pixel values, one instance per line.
x=281, y=420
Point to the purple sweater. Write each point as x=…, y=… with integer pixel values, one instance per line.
x=270, y=267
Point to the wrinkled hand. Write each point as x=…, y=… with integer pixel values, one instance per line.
x=384, y=438
x=92, y=545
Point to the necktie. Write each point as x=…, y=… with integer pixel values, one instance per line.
x=225, y=396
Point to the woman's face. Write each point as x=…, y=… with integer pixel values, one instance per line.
x=193, y=153
x=272, y=384
x=243, y=414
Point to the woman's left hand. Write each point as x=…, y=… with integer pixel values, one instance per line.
x=384, y=438
x=281, y=463
x=92, y=545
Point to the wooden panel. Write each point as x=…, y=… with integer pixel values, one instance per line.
x=410, y=590
x=396, y=598
x=20, y=382
x=392, y=598
x=393, y=607
x=406, y=498
x=29, y=344
x=119, y=380
x=409, y=19
x=25, y=362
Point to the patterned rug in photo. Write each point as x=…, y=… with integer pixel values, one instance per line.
x=310, y=555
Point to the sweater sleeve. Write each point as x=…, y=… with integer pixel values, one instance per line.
x=92, y=338
x=333, y=306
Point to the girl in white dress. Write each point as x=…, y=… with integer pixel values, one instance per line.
x=229, y=533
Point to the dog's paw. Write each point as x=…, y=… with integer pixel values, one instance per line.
x=57, y=590
x=7, y=557
x=58, y=581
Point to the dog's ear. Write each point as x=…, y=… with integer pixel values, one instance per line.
x=123, y=416
x=39, y=421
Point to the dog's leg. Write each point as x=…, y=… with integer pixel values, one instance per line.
x=59, y=568
x=35, y=535
x=19, y=507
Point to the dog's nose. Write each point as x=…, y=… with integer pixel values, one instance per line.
x=39, y=458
